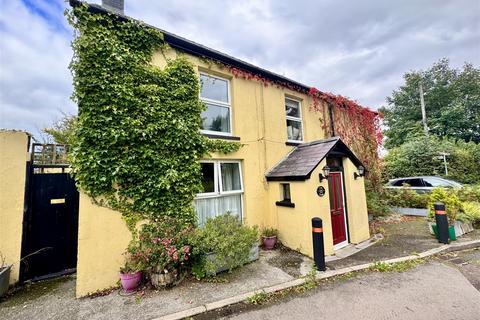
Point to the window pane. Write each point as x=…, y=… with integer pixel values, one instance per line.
x=216, y=118
x=294, y=130
x=214, y=88
x=292, y=108
x=286, y=192
x=331, y=193
x=414, y=182
x=432, y=182
x=230, y=177
x=212, y=207
x=208, y=180
x=398, y=183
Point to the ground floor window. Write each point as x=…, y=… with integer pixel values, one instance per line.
x=222, y=190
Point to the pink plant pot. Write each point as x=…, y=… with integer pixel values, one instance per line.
x=130, y=281
x=269, y=242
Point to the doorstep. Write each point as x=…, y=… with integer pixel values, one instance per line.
x=353, y=248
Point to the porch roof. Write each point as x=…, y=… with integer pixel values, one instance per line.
x=301, y=161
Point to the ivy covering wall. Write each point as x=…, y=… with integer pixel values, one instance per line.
x=137, y=143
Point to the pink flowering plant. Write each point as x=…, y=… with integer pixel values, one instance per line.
x=161, y=246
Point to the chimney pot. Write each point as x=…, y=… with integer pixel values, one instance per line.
x=116, y=6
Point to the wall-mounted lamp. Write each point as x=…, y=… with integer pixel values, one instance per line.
x=361, y=172
x=326, y=173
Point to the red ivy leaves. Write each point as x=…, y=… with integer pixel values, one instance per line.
x=357, y=126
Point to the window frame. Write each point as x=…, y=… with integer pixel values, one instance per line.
x=283, y=187
x=218, y=188
x=215, y=182
x=218, y=103
x=297, y=119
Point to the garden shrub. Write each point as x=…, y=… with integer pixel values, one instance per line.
x=161, y=246
x=420, y=156
x=469, y=193
x=470, y=212
x=453, y=206
x=228, y=239
x=407, y=198
x=377, y=204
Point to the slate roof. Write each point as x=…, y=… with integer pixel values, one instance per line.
x=301, y=161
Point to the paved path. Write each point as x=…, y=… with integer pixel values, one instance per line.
x=55, y=299
x=432, y=291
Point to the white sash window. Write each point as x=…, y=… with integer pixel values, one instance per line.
x=223, y=190
x=215, y=93
x=293, y=112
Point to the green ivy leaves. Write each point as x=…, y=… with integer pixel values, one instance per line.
x=137, y=144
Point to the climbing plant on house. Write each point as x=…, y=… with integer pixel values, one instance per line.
x=356, y=125
x=137, y=141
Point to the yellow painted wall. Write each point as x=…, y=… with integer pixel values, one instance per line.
x=294, y=224
x=102, y=239
x=356, y=204
x=258, y=115
x=13, y=159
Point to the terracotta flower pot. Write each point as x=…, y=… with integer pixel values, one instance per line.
x=269, y=242
x=163, y=279
x=130, y=281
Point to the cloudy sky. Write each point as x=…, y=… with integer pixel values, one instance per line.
x=359, y=49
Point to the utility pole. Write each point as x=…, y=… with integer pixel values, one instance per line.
x=424, y=113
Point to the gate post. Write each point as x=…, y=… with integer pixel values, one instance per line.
x=318, y=248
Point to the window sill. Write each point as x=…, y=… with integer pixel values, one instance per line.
x=219, y=136
x=290, y=143
x=285, y=204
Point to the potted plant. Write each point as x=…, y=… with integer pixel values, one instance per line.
x=269, y=238
x=4, y=275
x=163, y=249
x=223, y=244
x=130, y=276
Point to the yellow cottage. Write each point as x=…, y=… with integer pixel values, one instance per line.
x=286, y=173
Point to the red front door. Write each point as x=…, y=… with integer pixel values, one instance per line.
x=337, y=210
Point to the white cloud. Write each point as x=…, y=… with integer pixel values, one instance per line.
x=35, y=83
x=359, y=49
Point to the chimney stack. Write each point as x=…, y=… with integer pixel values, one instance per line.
x=116, y=6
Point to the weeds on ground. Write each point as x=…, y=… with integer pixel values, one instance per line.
x=258, y=298
x=310, y=280
x=396, y=267
x=346, y=276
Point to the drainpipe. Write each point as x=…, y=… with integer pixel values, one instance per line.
x=330, y=118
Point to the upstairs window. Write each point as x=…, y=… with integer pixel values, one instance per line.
x=294, y=120
x=215, y=93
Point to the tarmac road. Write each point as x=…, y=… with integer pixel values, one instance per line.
x=436, y=290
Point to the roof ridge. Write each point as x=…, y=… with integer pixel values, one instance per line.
x=311, y=143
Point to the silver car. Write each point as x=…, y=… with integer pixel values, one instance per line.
x=422, y=184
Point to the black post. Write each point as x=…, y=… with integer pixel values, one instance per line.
x=318, y=249
x=442, y=222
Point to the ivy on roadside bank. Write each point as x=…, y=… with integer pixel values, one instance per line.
x=137, y=144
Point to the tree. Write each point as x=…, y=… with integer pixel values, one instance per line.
x=452, y=100
x=62, y=130
x=420, y=156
